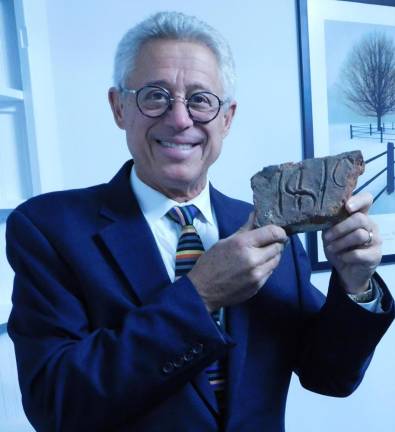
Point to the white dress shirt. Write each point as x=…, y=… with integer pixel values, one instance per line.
x=154, y=206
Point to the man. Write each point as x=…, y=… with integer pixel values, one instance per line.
x=118, y=328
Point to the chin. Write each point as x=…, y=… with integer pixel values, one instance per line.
x=184, y=180
x=182, y=173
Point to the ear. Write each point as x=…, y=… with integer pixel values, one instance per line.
x=228, y=117
x=117, y=106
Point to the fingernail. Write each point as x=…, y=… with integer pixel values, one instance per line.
x=351, y=205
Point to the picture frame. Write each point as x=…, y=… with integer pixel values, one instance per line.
x=330, y=31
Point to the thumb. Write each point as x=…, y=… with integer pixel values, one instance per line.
x=250, y=224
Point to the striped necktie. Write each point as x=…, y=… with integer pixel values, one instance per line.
x=189, y=249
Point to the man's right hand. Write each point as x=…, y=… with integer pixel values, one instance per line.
x=235, y=268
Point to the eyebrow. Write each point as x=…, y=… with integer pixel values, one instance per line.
x=195, y=86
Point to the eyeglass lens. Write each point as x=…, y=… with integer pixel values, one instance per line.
x=154, y=101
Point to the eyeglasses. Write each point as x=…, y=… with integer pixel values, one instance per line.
x=154, y=101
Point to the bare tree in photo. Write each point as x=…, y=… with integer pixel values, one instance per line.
x=368, y=76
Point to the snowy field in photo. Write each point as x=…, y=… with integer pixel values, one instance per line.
x=383, y=210
x=340, y=141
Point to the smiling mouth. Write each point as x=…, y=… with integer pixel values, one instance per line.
x=183, y=146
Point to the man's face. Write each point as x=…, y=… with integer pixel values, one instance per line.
x=172, y=153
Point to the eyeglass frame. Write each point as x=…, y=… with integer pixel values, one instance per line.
x=171, y=100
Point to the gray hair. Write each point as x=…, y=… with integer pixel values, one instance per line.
x=178, y=26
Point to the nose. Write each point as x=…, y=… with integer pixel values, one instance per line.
x=177, y=115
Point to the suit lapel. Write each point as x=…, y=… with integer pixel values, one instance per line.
x=237, y=317
x=230, y=219
x=130, y=241
x=205, y=391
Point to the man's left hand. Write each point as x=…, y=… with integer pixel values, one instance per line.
x=353, y=246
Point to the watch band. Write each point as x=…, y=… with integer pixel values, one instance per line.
x=364, y=297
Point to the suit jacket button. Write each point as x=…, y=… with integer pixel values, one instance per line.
x=188, y=356
x=179, y=362
x=168, y=368
x=197, y=348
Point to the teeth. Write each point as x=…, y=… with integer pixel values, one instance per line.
x=174, y=145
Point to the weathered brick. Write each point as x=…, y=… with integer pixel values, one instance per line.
x=306, y=196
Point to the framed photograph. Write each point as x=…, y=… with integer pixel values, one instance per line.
x=347, y=64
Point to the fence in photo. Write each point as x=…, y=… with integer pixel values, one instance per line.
x=388, y=169
x=385, y=131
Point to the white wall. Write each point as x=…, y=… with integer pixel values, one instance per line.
x=83, y=39
x=263, y=35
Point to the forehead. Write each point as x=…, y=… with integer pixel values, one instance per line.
x=176, y=64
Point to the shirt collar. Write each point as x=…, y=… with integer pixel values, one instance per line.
x=155, y=205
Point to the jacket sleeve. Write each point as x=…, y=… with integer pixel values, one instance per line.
x=337, y=337
x=76, y=377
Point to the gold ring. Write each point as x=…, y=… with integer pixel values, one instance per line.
x=370, y=239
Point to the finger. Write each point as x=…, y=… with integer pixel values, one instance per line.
x=352, y=223
x=266, y=235
x=264, y=254
x=357, y=239
x=359, y=203
x=263, y=272
x=250, y=224
x=365, y=257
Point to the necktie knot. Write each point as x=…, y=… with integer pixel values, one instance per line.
x=183, y=215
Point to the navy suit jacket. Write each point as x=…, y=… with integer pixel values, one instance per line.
x=105, y=342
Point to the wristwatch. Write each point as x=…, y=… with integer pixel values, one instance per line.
x=366, y=296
